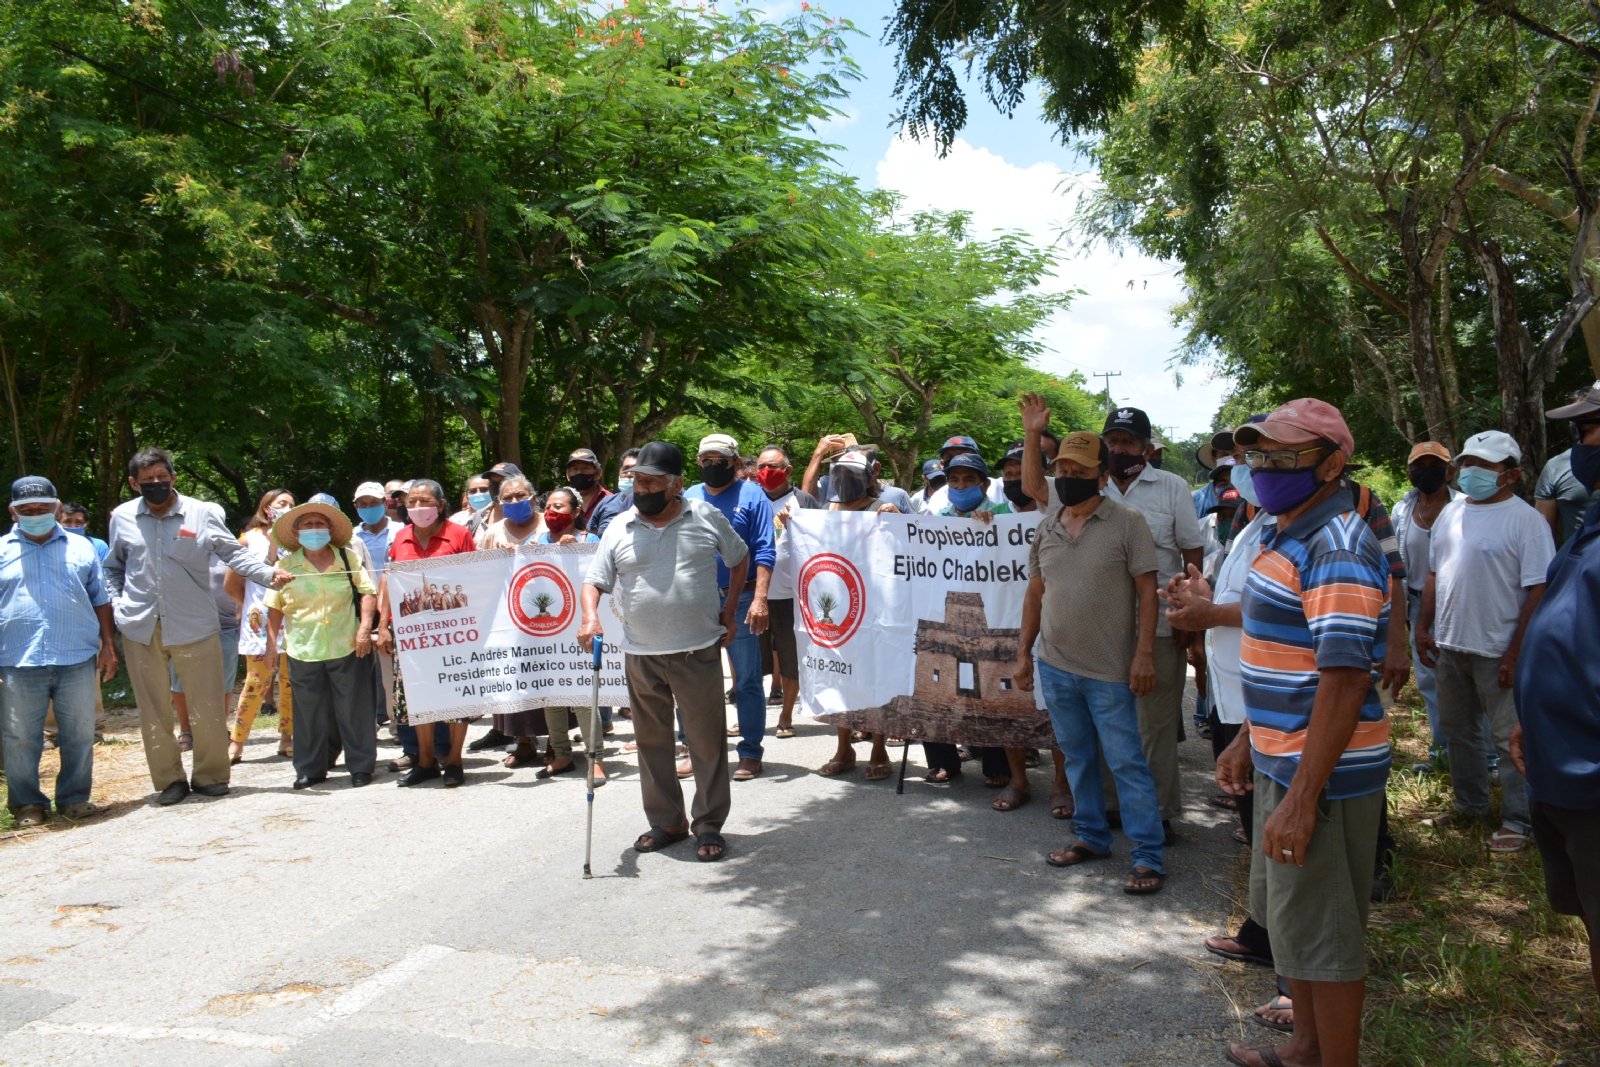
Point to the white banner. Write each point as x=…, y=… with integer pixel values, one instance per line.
x=497, y=632
x=908, y=625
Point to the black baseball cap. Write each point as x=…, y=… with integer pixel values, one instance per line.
x=1131, y=421
x=503, y=470
x=1584, y=408
x=660, y=458
x=32, y=489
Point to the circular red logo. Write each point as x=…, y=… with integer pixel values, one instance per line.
x=833, y=599
x=541, y=600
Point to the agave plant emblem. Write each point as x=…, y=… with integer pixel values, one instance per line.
x=542, y=601
x=827, y=602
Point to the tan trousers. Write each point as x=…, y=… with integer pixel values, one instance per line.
x=559, y=720
x=692, y=680
x=258, y=673
x=199, y=667
x=386, y=672
x=1158, y=729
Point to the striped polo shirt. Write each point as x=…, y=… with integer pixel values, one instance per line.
x=1317, y=596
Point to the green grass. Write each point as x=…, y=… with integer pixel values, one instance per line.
x=1469, y=966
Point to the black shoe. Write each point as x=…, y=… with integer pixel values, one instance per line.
x=493, y=739
x=307, y=783
x=1169, y=836
x=215, y=789
x=1382, y=887
x=418, y=775
x=453, y=775
x=359, y=779
x=1114, y=819
x=173, y=794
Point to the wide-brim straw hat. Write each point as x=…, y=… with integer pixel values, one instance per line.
x=283, y=529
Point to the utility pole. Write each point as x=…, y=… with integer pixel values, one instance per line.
x=1108, y=375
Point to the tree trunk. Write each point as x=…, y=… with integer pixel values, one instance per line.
x=1425, y=363
x=1521, y=400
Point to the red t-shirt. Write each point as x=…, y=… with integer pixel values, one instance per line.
x=447, y=542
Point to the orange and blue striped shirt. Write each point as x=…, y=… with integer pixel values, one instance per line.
x=1316, y=597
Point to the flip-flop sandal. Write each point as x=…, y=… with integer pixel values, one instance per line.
x=940, y=776
x=1275, y=1005
x=876, y=772
x=1225, y=801
x=1082, y=853
x=1058, y=801
x=1010, y=799
x=551, y=773
x=515, y=761
x=1240, y=836
x=1504, y=840
x=186, y=742
x=659, y=839
x=734, y=731
x=833, y=768
x=710, y=838
x=1145, y=890
x=1268, y=1056
x=1242, y=957
x=784, y=731
x=997, y=783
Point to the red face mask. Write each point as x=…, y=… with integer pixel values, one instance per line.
x=772, y=478
x=557, y=522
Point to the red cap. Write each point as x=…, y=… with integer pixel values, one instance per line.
x=1299, y=422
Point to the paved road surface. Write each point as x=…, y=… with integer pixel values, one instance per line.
x=385, y=926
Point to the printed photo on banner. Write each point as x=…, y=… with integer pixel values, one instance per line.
x=496, y=632
x=908, y=625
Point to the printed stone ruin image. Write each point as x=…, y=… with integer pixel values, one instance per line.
x=964, y=692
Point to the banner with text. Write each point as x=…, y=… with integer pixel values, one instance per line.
x=908, y=625
x=496, y=632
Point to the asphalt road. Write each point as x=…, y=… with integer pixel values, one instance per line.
x=386, y=926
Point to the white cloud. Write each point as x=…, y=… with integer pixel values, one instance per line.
x=1112, y=327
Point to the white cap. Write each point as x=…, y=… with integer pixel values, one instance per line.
x=1493, y=446
x=369, y=489
x=718, y=442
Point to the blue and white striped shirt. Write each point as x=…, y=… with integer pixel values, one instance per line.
x=48, y=593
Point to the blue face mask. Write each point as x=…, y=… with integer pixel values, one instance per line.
x=966, y=499
x=624, y=485
x=313, y=540
x=81, y=531
x=1240, y=479
x=518, y=511
x=373, y=515
x=1479, y=483
x=36, y=525
x=1586, y=464
x=479, y=501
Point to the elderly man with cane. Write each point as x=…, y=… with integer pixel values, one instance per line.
x=660, y=560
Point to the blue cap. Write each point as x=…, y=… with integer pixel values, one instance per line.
x=323, y=498
x=967, y=459
x=32, y=489
x=932, y=469
x=958, y=442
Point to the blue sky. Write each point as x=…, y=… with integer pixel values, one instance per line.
x=1016, y=174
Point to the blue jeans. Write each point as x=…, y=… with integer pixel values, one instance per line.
x=25, y=696
x=1092, y=718
x=407, y=735
x=1426, y=683
x=749, y=695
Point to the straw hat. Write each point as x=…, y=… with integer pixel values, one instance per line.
x=283, y=528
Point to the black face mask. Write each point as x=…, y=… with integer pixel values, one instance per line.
x=650, y=503
x=1125, y=466
x=1015, y=493
x=1074, y=491
x=581, y=482
x=1430, y=478
x=934, y=486
x=716, y=475
x=155, y=493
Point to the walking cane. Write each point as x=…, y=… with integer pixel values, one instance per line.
x=594, y=748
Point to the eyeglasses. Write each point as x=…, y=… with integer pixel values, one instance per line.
x=1281, y=460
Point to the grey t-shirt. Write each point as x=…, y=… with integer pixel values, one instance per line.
x=1089, y=623
x=1572, y=499
x=665, y=580
x=889, y=494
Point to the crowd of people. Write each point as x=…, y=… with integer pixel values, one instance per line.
x=1300, y=603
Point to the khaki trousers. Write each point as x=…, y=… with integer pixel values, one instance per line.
x=559, y=722
x=1158, y=729
x=692, y=680
x=199, y=667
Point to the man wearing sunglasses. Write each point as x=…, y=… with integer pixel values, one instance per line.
x=1315, y=745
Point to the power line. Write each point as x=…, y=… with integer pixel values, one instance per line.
x=1108, y=375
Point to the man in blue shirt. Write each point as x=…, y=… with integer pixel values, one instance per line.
x=748, y=511
x=1556, y=742
x=617, y=502
x=55, y=627
x=75, y=520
